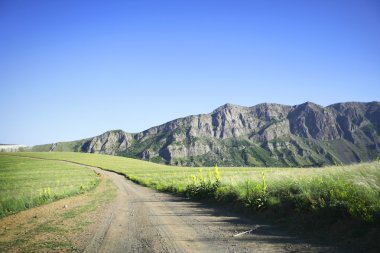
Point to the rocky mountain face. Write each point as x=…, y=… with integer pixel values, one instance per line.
x=262, y=135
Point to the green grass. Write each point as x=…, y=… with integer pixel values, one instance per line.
x=333, y=193
x=25, y=182
x=59, y=230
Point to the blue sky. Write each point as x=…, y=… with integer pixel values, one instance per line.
x=75, y=69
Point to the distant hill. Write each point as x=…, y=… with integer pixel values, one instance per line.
x=262, y=135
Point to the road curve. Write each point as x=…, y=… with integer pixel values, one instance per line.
x=144, y=220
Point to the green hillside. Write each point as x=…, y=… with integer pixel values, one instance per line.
x=26, y=182
x=336, y=192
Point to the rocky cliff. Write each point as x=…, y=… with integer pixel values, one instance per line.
x=262, y=135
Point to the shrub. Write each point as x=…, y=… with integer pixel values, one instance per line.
x=200, y=188
x=256, y=196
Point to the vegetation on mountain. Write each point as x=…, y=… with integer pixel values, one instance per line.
x=263, y=135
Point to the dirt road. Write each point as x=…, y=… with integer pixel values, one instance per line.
x=121, y=216
x=143, y=220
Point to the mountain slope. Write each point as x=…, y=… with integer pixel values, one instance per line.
x=262, y=135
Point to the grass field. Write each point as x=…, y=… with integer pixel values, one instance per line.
x=26, y=182
x=332, y=193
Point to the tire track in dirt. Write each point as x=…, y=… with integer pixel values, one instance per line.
x=138, y=223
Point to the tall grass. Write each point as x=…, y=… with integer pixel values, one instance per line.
x=26, y=182
x=337, y=192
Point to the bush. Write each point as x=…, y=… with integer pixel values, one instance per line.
x=256, y=196
x=200, y=188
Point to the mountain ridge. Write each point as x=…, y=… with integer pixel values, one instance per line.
x=266, y=134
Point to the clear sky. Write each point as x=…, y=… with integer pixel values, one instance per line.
x=75, y=69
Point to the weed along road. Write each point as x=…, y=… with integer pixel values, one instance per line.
x=143, y=220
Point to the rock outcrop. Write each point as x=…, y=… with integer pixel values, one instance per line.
x=262, y=135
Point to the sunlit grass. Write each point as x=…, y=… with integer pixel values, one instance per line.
x=26, y=182
x=336, y=191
